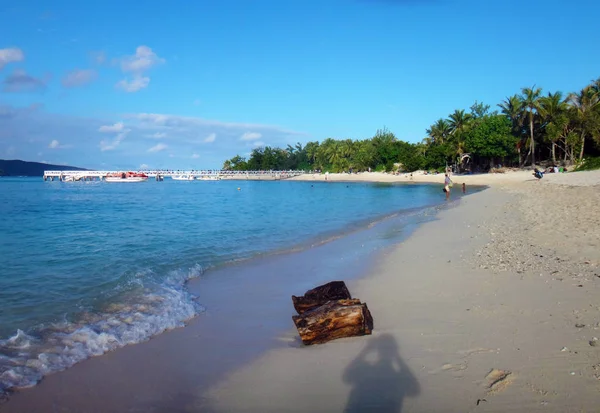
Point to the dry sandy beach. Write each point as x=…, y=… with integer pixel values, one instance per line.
x=509, y=280
x=491, y=307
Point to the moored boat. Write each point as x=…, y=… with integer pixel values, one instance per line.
x=126, y=177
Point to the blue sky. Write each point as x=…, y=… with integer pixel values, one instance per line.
x=189, y=84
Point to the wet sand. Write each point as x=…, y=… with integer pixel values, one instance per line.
x=508, y=280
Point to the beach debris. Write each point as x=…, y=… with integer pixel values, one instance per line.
x=323, y=317
x=333, y=320
x=480, y=400
x=497, y=379
x=579, y=325
x=334, y=290
x=564, y=349
x=594, y=342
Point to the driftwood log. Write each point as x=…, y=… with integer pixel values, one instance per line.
x=335, y=319
x=335, y=290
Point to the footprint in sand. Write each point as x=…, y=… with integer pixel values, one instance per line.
x=498, y=380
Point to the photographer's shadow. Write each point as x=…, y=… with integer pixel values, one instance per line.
x=380, y=380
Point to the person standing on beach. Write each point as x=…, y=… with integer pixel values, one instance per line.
x=447, y=184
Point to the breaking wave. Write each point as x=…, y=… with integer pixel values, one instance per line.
x=142, y=312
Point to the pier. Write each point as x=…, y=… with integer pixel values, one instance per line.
x=160, y=174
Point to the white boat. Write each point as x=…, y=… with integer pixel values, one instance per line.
x=127, y=177
x=184, y=177
x=130, y=179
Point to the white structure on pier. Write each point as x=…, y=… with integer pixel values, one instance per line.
x=161, y=173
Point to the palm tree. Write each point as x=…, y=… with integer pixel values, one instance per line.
x=530, y=99
x=439, y=131
x=585, y=107
x=553, y=110
x=458, y=121
x=512, y=107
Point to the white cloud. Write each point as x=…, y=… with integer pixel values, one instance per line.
x=157, y=148
x=143, y=166
x=158, y=135
x=143, y=59
x=117, y=127
x=258, y=143
x=56, y=145
x=251, y=136
x=10, y=55
x=210, y=138
x=137, y=83
x=195, y=156
x=137, y=64
x=175, y=121
x=79, y=77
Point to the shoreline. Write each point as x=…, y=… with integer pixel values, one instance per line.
x=500, y=320
x=246, y=301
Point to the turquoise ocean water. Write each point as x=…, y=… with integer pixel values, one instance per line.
x=87, y=267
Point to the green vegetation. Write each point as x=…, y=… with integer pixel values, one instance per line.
x=528, y=128
x=588, y=164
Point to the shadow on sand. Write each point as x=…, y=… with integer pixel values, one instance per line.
x=380, y=380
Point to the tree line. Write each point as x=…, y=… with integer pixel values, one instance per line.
x=526, y=128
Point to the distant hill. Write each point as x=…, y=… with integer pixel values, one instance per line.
x=23, y=168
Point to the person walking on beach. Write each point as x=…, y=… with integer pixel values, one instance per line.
x=447, y=185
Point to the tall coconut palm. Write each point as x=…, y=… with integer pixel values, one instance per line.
x=553, y=109
x=586, y=113
x=512, y=107
x=439, y=131
x=458, y=121
x=530, y=99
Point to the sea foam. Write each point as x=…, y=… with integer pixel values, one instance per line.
x=27, y=356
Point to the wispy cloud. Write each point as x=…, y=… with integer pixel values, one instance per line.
x=77, y=77
x=98, y=57
x=133, y=85
x=210, y=138
x=117, y=127
x=158, y=147
x=250, y=136
x=10, y=55
x=121, y=134
x=258, y=144
x=195, y=156
x=123, y=142
x=137, y=65
x=20, y=81
x=55, y=144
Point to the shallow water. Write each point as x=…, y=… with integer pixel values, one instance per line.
x=89, y=267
